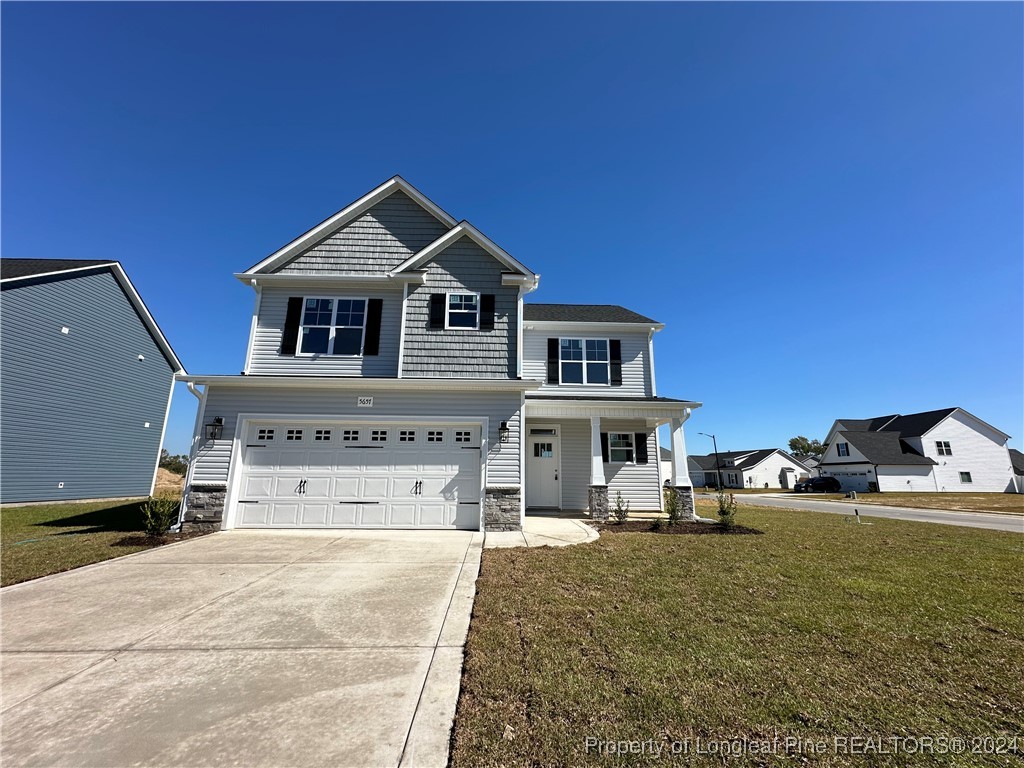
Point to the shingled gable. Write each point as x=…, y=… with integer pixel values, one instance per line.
x=345, y=216
x=461, y=230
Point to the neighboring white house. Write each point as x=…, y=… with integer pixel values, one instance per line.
x=762, y=468
x=945, y=450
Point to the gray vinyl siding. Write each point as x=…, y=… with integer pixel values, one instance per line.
x=636, y=369
x=214, y=456
x=266, y=351
x=73, y=407
x=638, y=483
x=458, y=353
x=377, y=241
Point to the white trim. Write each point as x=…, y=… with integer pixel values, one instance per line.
x=632, y=443
x=401, y=331
x=333, y=326
x=367, y=383
x=244, y=420
x=522, y=459
x=464, y=229
x=347, y=214
x=661, y=478
x=659, y=413
x=101, y=265
x=163, y=433
x=328, y=277
x=519, y=334
x=193, y=449
x=448, y=309
x=253, y=325
x=650, y=363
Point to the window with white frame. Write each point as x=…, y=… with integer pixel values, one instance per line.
x=321, y=435
x=293, y=434
x=378, y=436
x=464, y=310
x=407, y=436
x=965, y=477
x=463, y=436
x=843, y=449
x=435, y=436
x=942, y=446
x=583, y=361
x=350, y=435
x=620, y=447
x=332, y=326
x=265, y=434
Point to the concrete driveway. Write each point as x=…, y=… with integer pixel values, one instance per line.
x=339, y=648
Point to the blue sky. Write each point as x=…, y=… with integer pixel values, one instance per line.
x=823, y=202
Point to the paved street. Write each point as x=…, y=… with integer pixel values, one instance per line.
x=1014, y=523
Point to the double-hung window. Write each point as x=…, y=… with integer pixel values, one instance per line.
x=843, y=449
x=464, y=310
x=583, y=361
x=620, y=447
x=332, y=326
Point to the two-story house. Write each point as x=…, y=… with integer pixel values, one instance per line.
x=934, y=451
x=395, y=378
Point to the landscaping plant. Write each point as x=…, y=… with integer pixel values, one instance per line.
x=621, y=511
x=672, y=506
x=726, y=510
x=158, y=513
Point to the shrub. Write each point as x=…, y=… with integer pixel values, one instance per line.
x=726, y=510
x=621, y=511
x=672, y=507
x=158, y=514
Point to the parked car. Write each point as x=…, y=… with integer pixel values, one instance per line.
x=818, y=485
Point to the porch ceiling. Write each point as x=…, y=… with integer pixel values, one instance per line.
x=654, y=411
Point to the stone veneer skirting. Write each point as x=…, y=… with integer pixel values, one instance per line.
x=597, y=496
x=684, y=495
x=205, y=507
x=502, y=509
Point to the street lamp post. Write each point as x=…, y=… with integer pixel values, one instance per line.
x=718, y=464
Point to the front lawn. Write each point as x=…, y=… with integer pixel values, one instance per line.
x=1005, y=503
x=49, y=538
x=819, y=629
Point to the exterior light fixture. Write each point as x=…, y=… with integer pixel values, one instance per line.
x=504, y=432
x=215, y=428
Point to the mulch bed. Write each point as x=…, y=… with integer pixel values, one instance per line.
x=685, y=528
x=141, y=540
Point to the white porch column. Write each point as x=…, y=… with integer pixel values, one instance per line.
x=596, y=456
x=680, y=472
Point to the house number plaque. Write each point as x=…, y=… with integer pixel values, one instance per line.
x=364, y=402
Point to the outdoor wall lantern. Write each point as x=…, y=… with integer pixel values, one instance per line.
x=504, y=432
x=215, y=428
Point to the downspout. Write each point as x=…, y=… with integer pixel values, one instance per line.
x=182, y=507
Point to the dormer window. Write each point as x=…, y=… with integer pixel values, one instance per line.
x=583, y=361
x=463, y=310
x=332, y=326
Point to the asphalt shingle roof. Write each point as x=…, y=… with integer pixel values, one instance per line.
x=916, y=424
x=14, y=268
x=884, y=448
x=583, y=313
x=1016, y=458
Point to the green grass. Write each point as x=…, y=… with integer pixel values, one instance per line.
x=819, y=628
x=44, y=539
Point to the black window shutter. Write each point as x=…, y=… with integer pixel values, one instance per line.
x=486, y=311
x=374, y=310
x=604, y=447
x=552, y=361
x=437, y=310
x=615, y=357
x=292, y=320
x=640, y=447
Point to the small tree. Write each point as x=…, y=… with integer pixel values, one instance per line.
x=801, y=446
x=158, y=513
x=176, y=464
x=726, y=510
x=672, y=507
x=621, y=511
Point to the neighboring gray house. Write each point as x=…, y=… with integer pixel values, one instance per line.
x=85, y=382
x=394, y=378
x=1017, y=460
x=943, y=450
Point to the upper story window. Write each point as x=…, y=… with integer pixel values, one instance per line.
x=942, y=446
x=463, y=310
x=332, y=326
x=843, y=449
x=583, y=361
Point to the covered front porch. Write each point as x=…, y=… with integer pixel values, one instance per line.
x=584, y=456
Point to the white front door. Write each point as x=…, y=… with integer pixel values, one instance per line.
x=542, y=465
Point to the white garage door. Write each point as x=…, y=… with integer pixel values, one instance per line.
x=344, y=475
x=852, y=481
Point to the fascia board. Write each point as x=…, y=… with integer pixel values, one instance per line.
x=334, y=382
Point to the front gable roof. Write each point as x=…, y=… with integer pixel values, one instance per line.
x=464, y=229
x=347, y=214
x=15, y=272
